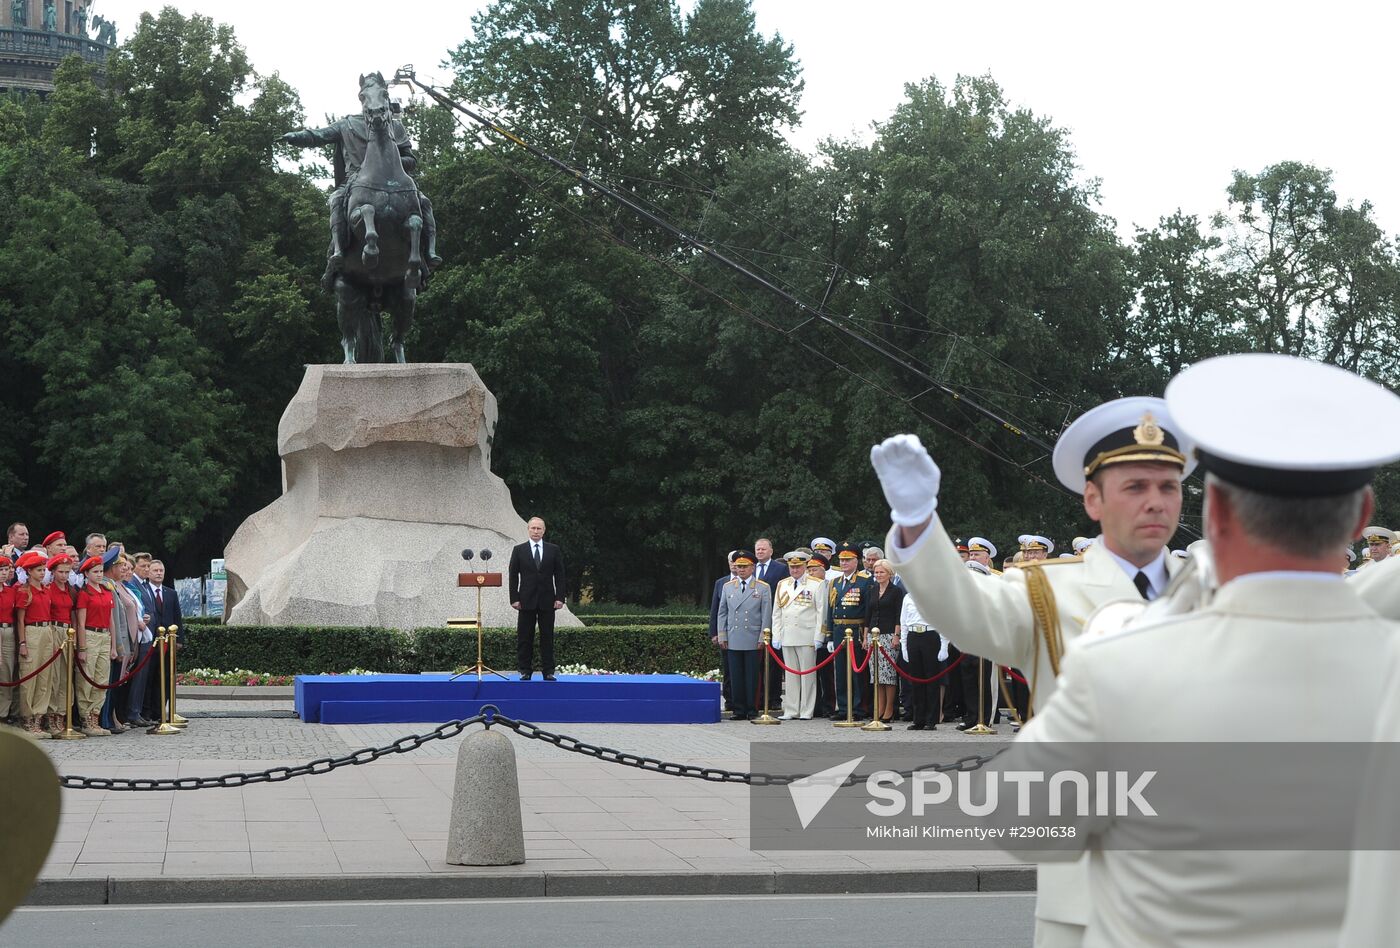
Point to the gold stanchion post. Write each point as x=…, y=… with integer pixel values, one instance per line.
x=850, y=690
x=981, y=726
x=875, y=723
x=164, y=727
x=68, y=734
x=765, y=717
x=170, y=634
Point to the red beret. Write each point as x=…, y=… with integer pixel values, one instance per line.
x=56, y=561
x=55, y=537
x=31, y=559
x=89, y=563
x=5, y=560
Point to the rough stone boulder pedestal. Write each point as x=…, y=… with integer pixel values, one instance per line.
x=386, y=478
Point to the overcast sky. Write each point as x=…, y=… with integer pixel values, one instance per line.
x=1161, y=101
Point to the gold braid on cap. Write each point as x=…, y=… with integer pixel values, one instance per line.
x=1149, y=444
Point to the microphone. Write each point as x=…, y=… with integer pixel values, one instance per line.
x=467, y=554
x=485, y=555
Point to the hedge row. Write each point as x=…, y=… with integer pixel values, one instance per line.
x=299, y=650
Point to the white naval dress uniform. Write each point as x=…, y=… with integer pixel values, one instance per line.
x=1373, y=909
x=1261, y=631
x=994, y=620
x=799, y=612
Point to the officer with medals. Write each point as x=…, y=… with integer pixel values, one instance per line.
x=1127, y=458
x=850, y=602
x=745, y=610
x=1035, y=547
x=799, y=619
x=1290, y=448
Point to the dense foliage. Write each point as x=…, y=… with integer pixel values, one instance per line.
x=158, y=297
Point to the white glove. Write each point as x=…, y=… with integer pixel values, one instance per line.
x=943, y=652
x=904, y=649
x=819, y=640
x=831, y=646
x=909, y=478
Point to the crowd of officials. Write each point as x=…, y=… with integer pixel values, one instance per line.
x=811, y=599
x=114, y=600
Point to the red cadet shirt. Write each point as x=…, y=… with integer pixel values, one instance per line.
x=35, y=603
x=98, y=603
x=7, y=604
x=60, y=604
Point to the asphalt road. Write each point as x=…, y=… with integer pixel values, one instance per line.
x=967, y=921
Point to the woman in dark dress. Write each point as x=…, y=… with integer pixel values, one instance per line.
x=885, y=617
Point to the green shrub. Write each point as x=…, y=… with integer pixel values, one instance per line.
x=293, y=650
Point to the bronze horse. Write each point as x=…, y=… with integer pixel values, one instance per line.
x=378, y=216
x=385, y=220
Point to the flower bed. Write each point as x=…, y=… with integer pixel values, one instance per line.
x=242, y=677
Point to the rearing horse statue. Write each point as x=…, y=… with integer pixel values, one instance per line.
x=380, y=222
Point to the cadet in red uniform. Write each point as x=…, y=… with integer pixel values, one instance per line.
x=93, y=619
x=9, y=665
x=35, y=635
x=55, y=543
x=62, y=595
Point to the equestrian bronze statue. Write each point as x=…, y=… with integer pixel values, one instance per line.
x=383, y=234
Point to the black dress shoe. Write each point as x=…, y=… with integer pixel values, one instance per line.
x=550, y=678
x=916, y=726
x=966, y=724
x=525, y=676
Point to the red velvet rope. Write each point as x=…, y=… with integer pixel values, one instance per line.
x=859, y=668
x=122, y=680
x=920, y=681
x=15, y=684
x=817, y=667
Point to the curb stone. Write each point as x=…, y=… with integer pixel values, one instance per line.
x=522, y=884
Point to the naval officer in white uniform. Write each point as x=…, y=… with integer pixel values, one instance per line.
x=1289, y=448
x=1128, y=458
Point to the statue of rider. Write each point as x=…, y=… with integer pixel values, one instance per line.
x=351, y=136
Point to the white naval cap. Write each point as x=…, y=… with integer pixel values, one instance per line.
x=977, y=567
x=1082, y=543
x=1351, y=555
x=1181, y=554
x=827, y=542
x=1138, y=428
x=982, y=545
x=1067, y=556
x=1376, y=534
x=1033, y=541
x=1286, y=426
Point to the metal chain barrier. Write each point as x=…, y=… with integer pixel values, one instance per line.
x=15, y=684
x=490, y=715
x=322, y=765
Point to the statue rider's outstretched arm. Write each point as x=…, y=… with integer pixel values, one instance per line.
x=311, y=137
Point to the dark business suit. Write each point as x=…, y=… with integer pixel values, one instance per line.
x=535, y=587
x=165, y=611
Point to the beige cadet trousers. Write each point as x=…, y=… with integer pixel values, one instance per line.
x=58, y=673
x=34, y=693
x=99, y=666
x=9, y=671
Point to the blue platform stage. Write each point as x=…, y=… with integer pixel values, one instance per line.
x=573, y=699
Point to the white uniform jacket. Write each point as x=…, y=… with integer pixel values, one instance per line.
x=799, y=612
x=1264, y=662
x=993, y=618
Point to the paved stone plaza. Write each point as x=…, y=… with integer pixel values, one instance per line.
x=391, y=816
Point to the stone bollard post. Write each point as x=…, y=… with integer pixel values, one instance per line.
x=485, y=829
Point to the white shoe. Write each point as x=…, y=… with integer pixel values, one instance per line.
x=805, y=717
x=784, y=717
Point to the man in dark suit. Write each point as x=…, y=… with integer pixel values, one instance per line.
x=766, y=568
x=165, y=612
x=536, y=591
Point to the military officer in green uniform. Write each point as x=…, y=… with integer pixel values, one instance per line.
x=850, y=604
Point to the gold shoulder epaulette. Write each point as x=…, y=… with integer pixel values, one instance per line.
x=1041, y=564
x=863, y=572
